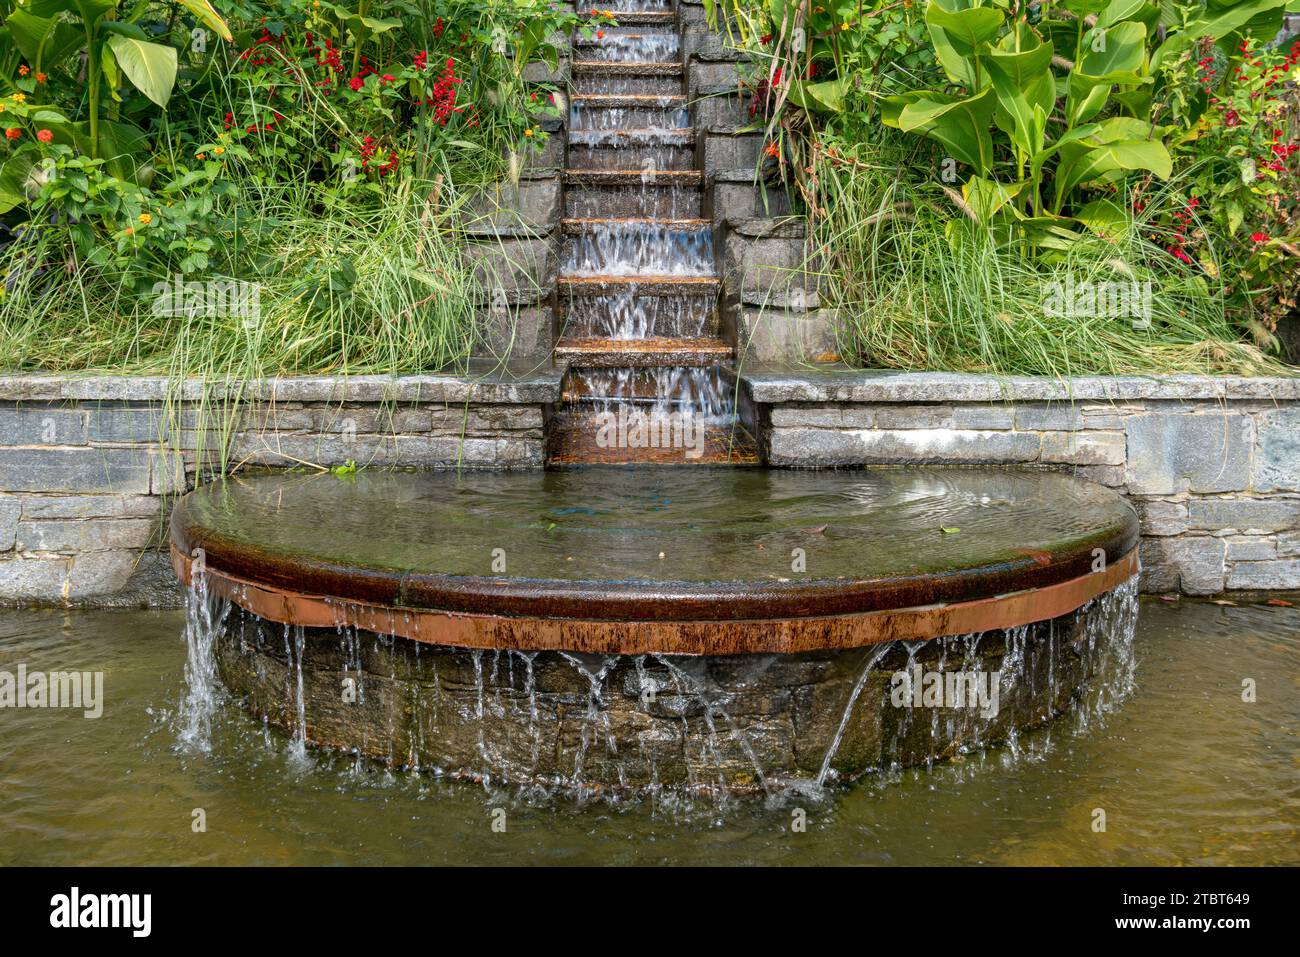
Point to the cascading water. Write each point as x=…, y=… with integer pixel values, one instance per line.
x=205, y=616
x=638, y=273
x=549, y=723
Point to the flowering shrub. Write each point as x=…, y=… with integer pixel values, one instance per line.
x=353, y=99
x=1228, y=211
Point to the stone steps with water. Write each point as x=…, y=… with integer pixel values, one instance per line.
x=638, y=285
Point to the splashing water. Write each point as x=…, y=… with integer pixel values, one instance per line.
x=205, y=616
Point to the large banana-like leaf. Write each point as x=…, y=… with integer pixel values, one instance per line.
x=1116, y=145
x=966, y=30
x=43, y=41
x=151, y=67
x=1026, y=93
x=984, y=197
x=959, y=123
x=1118, y=60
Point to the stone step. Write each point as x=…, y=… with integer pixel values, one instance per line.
x=657, y=200
x=623, y=139
x=624, y=18
x=670, y=149
x=632, y=247
x=633, y=177
x=628, y=100
x=576, y=439
x=578, y=227
x=620, y=84
x=573, y=286
x=629, y=44
x=668, y=387
x=630, y=315
x=627, y=68
x=642, y=353
x=624, y=111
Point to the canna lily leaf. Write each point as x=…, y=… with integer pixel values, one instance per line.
x=151, y=67
x=959, y=123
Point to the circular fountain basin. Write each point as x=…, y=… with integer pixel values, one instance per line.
x=668, y=561
x=609, y=628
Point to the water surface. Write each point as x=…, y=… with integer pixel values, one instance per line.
x=1186, y=772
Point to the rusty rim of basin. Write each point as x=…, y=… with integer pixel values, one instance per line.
x=393, y=552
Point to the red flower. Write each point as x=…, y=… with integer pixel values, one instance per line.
x=1259, y=237
x=13, y=133
x=45, y=136
x=356, y=83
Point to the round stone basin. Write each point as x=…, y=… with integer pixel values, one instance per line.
x=681, y=561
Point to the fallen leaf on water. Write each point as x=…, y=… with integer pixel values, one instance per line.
x=949, y=531
x=1280, y=603
x=1223, y=601
x=816, y=530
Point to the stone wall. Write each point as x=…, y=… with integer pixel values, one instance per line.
x=770, y=285
x=89, y=466
x=1211, y=464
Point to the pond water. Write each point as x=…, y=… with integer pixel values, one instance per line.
x=1185, y=771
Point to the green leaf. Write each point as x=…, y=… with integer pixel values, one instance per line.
x=151, y=67
x=1105, y=218
x=1224, y=20
x=93, y=10
x=960, y=124
x=43, y=41
x=966, y=30
x=207, y=14
x=824, y=97
x=1026, y=94
x=1119, y=60
x=1112, y=148
x=985, y=196
x=14, y=170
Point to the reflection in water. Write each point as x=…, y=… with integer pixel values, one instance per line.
x=1187, y=772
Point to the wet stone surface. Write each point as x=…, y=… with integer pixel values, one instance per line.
x=743, y=723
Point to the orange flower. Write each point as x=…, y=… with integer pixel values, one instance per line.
x=145, y=219
x=24, y=70
x=44, y=136
x=772, y=150
x=41, y=77
x=13, y=133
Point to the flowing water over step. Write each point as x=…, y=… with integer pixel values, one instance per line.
x=638, y=278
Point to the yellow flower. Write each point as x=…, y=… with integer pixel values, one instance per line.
x=218, y=150
x=20, y=97
x=528, y=132
x=145, y=219
x=844, y=26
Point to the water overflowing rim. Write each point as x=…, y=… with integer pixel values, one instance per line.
x=654, y=635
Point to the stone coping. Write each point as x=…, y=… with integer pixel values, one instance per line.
x=483, y=382
x=841, y=384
